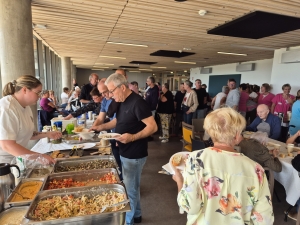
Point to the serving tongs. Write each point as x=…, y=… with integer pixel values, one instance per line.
x=75, y=150
x=113, y=205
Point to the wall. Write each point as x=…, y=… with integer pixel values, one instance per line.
x=261, y=74
x=82, y=76
x=283, y=73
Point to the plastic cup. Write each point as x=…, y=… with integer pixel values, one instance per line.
x=277, y=147
x=290, y=148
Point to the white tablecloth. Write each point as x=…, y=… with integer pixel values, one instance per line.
x=288, y=177
x=42, y=147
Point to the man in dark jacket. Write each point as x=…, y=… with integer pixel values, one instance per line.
x=94, y=105
x=85, y=96
x=266, y=122
x=152, y=94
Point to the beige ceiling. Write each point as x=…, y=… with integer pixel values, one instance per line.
x=80, y=29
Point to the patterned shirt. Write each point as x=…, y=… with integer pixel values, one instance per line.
x=222, y=187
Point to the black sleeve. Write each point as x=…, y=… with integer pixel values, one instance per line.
x=176, y=97
x=84, y=109
x=296, y=162
x=83, y=94
x=142, y=110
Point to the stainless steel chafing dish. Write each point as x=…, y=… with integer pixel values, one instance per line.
x=38, y=172
x=107, y=218
x=69, y=165
x=16, y=212
x=81, y=176
x=9, y=202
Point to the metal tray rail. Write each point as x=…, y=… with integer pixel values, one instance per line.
x=81, y=175
x=77, y=161
x=109, y=218
x=93, y=139
x=50, y=168
x=9, y=203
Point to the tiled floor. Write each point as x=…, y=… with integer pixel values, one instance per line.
x=159, y=191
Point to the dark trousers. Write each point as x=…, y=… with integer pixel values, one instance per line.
x=251, y=115
x=178, y=120
x=116, y=153
x=187, y=118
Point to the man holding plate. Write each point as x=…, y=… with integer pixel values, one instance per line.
x=134, y=121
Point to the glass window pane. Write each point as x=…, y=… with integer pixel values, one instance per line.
x=36, y=62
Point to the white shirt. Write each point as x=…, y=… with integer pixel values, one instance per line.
x=64, y=98
x=219, y=97
x=16, y=124
x=186, y=97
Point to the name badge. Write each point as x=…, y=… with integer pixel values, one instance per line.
x=279, y=103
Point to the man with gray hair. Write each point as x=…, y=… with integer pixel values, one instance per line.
x=219, y=100
x=85, y=96
x=135, y=123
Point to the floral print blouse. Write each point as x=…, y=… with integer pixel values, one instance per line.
x=222, y=187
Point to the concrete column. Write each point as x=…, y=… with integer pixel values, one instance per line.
x=66, y=71
x=16, y=42
x=74, y=70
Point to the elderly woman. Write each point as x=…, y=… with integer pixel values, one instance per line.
x=189, y=102
x=165, y=109
x=254, y=148
x=48, y=105
x=282, y=103
x=265, y=96
x=220, y=184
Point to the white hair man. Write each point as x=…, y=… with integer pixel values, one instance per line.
x=135, y=123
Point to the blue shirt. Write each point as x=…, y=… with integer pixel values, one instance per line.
x=295, y=120
x=105, y=104
x=272, y=120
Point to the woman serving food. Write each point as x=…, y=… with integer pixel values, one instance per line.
x=16, y=119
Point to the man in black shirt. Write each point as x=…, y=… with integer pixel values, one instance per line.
x=85, y=96
x=201, y=95
x=178, y=112
x=134, y=121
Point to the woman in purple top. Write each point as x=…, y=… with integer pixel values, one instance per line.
x=265, y=96
x=47, y=105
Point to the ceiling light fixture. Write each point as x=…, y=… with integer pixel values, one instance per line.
x=97, y=69
x=231, y=53
x=158, y=67
x=146, y=69
x=120, y=43
x=185, y=71
x=171, y=72
x=106, y=64
x=41, y=26
x=134, y=71
x=202, y=12
x=184, y=62
x=112, y=57
x=101, y=67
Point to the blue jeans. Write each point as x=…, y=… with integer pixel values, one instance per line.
x=187, y=118
x=132, y=170
x=199, y=114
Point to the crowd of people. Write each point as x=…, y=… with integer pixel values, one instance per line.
x=218, y=177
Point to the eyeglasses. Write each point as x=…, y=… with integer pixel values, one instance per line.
x=37, y=93
x=112, y=92
x=95, y=97
x=104, y=92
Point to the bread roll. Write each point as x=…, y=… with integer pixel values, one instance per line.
x=290, y=154
x=176, y=160
x=281, y=155
x=78, y=129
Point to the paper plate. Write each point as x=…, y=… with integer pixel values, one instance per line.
x=84, y=145
x=109, y=136
x=181, y=166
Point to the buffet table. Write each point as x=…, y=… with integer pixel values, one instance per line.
x=85, y=182
x=288, y=177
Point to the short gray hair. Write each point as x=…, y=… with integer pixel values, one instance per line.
x=262, y=137
x=117, y=80
x=225, y=88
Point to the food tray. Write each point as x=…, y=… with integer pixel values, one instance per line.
x=77, y=161
x=12, y=210
x=9, y=203
x=107, y=218
x=94, y=139
x=81, y=176
x=50, y=168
